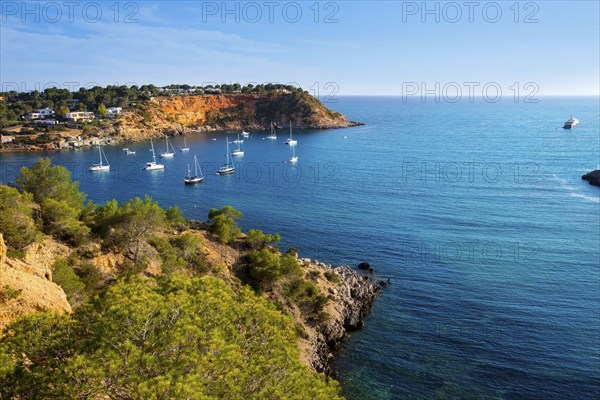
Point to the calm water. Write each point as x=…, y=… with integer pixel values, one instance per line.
x=476, y=211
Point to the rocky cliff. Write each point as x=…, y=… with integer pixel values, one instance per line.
x=592, y=177
x=29, y=281
x=351, y=296
x=185, y=114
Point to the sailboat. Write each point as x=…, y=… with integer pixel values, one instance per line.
x=238, y=140
x=152, y=165
x=294, y=158
x=290, y=141
x=185, y=148
x=238, y=152
x=273, y=135
x=226, y=168
x=245, y=134
x=191, y=180
x=100, y=166
x=168, y=154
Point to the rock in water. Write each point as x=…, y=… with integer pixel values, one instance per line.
x=593, y=177
x=364, y=265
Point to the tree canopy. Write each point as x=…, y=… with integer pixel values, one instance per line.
x=177, y=338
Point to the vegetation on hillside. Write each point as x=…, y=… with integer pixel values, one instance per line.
x=184, y=332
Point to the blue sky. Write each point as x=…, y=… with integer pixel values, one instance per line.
x=362, y=47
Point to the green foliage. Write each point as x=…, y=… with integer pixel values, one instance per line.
x=128, y=226
x=177, y=339
x=44, y=181
x=171, y=262
x=90, y=276
x=61, y=221
x=189, y=247
x=256, y=239
x=331, y=276
x=16, y=222
x=306, y=295
x=64, y=276
x=222, y=224
x=266, y=266
x=8, y=293
x=175, y=217
x=101, y=109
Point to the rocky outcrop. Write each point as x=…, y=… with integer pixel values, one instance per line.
x=30, y=281
x=186, y=114
x=592, y=177
x=351, y=297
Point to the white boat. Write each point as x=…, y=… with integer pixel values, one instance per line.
x=571, y=123
x=290, y=141
x=191, y=180
x=168, y=154
x=238, y=140
x=273, y=135
x=245, y=134
x=294, y=158
x=100, y=166
x=238, y=152
x=126, y=149
x=129, y=152
x=152, y=165
x=226, y=168
x=185, y=148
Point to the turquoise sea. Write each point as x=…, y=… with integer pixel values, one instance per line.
x=475, y=211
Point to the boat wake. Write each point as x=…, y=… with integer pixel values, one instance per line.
x=572, y=190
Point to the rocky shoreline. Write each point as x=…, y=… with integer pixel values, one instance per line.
x=351, y=300
x=592, y=177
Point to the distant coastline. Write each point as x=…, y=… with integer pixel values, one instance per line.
x=57, y=119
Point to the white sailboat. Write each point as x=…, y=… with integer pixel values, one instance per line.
x=185, y=148
x=273, y=135
x=238, y=140
x=152, y=165
x=193, y=179
x=129, y=152
x=245, y=134
x=226, y=168
x=238, y=152
x=168, y=154
x=100, y=166
x=294, y=158
x=290, y=141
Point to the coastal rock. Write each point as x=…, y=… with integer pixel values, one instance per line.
x=364, y=266
x=351, y=300
x=29, y=278
x=592, y=177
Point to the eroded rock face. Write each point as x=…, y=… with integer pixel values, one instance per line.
x=31, y=279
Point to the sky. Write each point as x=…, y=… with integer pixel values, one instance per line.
x=328, y=47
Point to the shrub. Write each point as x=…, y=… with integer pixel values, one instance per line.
x=256, y=239
x=331, y=276
x=16, y=222
x=8, y=293
x=61, y=221
x=222, y=224
x=64, y=276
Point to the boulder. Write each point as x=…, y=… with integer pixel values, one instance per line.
x=364, y=266
x=592, y=177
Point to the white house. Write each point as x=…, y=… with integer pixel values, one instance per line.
x=46, y=112
x=34, y=115
x=113, y=110
x=80, y=116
